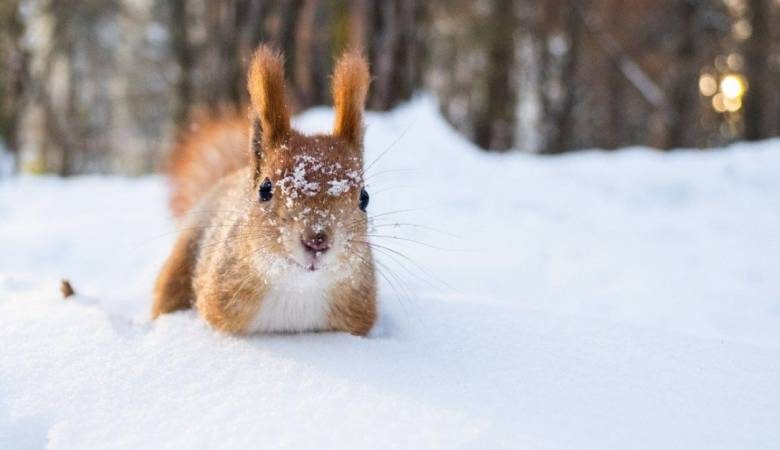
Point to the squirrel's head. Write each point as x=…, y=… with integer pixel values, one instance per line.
x=309, y=190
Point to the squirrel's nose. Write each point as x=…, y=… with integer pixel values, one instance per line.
x=316, y=242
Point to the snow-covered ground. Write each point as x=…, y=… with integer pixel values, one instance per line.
x=594, y=301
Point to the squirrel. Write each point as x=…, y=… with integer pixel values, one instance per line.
x=273, y=222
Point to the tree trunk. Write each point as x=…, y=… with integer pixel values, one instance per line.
x=684, y=84
x=757, y=70
x=564, y=120
x=14, y=75
x=494, y=127
x=183, y=53
x=616, y=123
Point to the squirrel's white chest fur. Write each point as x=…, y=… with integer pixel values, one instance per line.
x=297, y=300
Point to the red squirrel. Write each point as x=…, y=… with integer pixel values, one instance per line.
x=274, y=226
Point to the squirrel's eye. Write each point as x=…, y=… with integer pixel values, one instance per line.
x=363, y=199
x=266, y=190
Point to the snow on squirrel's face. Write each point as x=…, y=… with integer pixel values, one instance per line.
x=311, y=193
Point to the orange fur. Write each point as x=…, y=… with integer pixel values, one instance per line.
x=173, y=289
x=206, y=152
x=350, y=86
x=238, y=259
x=265, y=83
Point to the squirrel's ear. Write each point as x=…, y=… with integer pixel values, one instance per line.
x=350, y=86
x=265, y=81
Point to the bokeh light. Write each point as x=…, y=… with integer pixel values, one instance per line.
x=733, y=86
x=708, y=85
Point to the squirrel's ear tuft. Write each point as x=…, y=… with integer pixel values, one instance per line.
x=350, y=86
x=265, y=82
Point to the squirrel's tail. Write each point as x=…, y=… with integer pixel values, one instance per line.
x=206, y=151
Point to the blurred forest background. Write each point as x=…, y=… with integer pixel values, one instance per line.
x=103, y=85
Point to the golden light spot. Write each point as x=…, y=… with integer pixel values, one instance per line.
x=732, y=104
x=733, y=86
x=735, y=62
x=718, y=103
x=742, y=30
x=708, y=85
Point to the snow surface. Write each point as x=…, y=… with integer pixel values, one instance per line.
x=595, y=301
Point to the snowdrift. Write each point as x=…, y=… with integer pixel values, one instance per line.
x=598, y=300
